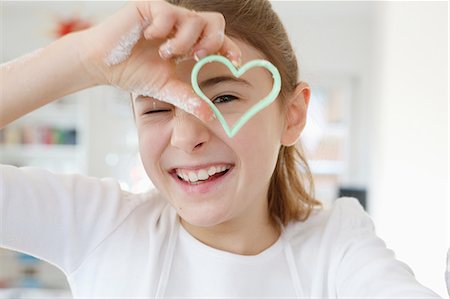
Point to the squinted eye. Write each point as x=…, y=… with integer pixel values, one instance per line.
x=224, y=99
x=157, y=111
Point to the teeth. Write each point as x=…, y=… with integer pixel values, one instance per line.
x=201, y=174
x=193, y=177
x=185, y=177
x=211, y=170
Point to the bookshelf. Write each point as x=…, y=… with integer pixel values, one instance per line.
x=50, y=137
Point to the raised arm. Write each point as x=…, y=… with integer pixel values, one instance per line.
x=134, y=49
x=40, y=77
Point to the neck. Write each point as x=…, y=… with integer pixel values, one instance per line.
x=237, y=236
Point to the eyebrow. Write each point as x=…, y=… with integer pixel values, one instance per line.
x=220, y=79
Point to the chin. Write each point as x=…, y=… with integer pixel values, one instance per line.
x=204, y=219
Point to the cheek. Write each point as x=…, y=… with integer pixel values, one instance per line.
x=153, y=140
x=263, y=130
x=258, y=142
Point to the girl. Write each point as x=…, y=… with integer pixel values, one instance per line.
x=230, y=217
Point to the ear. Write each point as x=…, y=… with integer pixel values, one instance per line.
x=295, y=116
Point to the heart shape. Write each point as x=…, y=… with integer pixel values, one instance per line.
x=263, y=103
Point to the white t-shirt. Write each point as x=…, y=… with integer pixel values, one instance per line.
x=110, y=243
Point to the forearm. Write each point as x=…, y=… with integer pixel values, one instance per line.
x=41, y=77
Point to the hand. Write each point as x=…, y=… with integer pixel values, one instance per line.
x=136, y=49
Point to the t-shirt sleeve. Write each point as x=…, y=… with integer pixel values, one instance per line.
x=367, y=268
x=58, y=218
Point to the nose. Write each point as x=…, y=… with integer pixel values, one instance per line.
x=189, y=133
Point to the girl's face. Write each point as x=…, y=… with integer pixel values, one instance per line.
x=209, y=178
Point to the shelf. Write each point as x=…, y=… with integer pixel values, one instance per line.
x=18, y=293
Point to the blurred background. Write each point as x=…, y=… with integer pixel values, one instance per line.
x=377, y=126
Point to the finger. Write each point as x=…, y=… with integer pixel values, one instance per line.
x=161, y=26
x=182, y=96
x=212, y=36
x=189, y=29
x=231, y=50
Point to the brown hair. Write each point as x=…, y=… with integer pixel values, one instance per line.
x=291, y=190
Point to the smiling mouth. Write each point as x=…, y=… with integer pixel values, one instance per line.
x=200, y=176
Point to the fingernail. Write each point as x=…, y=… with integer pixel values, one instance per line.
x=237, y=63
x=213, y=117
x=182, y=58
x=166, y=50
x=199, y=54
x=205, y=116
x=235, y=58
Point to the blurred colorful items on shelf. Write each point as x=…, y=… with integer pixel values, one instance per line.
x=29, y=272
x=28, y=134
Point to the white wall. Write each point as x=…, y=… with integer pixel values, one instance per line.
x=409, y=182
x=335, y=40
x=397, y=54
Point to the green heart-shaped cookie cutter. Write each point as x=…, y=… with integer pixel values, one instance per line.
x=263, y=103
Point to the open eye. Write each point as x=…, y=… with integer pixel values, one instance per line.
x=224, y=99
